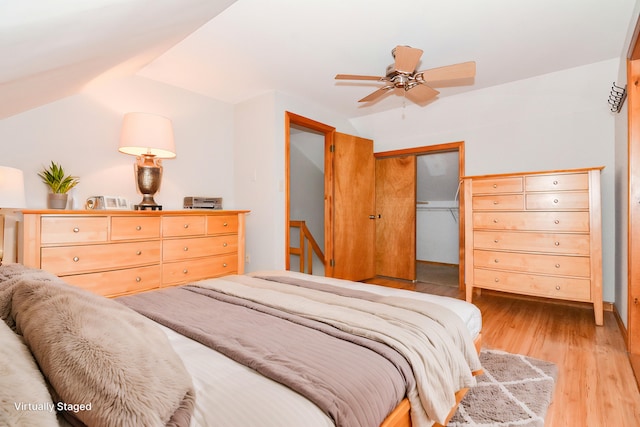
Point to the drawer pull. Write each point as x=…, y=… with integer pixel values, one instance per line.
x=557, y=221
x=225, y=224
x=495, y=185
x=557, y=265
x=76, y=259
x=185, y=249
x=557, y=243
x=138, y=252
x=557, y=287
x=496, y=260
x=224, y=245
x=185, y=271
x=496, y=280
x=495, y=241
x=186, y=226
x=495, y=202
x=138, y=227
x=76, y=230
x=555, y=182
x=224, y=264
x=138, y=279
x=555, y=201
x=495, y=221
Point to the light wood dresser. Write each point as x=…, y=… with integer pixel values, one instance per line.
x=535, y=233
x=120, y=252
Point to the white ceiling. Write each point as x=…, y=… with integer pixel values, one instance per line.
x=233, y=51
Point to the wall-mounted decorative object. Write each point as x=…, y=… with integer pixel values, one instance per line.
x=59, y=183
x=149, y=137
x=617, y=97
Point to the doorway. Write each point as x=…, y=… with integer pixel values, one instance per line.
x=439, y=236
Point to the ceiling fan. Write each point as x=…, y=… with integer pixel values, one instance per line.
x=416, y=84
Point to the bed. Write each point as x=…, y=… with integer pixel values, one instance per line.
x=178, y=380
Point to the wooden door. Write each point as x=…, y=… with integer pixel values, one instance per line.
x=633, y=96
x=396, y=222
x=353, y=186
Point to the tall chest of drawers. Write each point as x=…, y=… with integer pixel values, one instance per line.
x=120, y=252
x=535, y=234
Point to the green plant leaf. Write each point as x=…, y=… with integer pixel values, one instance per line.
x=54, y=177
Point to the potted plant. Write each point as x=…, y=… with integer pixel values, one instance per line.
x=59, y=184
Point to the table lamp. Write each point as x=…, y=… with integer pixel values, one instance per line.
x=149, y=137
x=11, y=196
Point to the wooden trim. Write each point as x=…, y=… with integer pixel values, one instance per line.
x=633, y=53
x=328, y=131
x=633, y=240
x=443, y=148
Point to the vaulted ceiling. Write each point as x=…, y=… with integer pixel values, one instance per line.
x=234, y=50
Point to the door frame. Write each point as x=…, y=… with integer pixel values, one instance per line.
x=328, y=131
x=433, y=149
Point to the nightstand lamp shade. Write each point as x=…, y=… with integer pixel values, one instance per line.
x=11, y=196
x=150, y=138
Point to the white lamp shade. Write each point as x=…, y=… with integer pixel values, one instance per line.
x=11, y=188
x=144, y=133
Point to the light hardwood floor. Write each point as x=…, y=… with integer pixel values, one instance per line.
x=595, y=386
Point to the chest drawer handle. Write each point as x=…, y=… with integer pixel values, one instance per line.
x=555, y=182
x=186, y=226
x=224, y=224
x=557, y=287
x=557, y=243
x=224, y=264
x=496, y=280
x=495, y=221
x=557, y=221
x=138, y=227
x=224, y=245
x=76, y=230
x=495, y=241
x=557, y=265
x=185, y=271
x=138, y=279
x=495, y=185
x=138, y=252
x=76, y=259
x=496, y=260
x=555, y=201
x=185, y=248
x=495, y=202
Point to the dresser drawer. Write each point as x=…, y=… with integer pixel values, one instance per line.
x=135, y=227
x=558, y=201
x=118, y=282
x=179, y=249
x=183, y=225
x=223, y=224
x=76, y=229
x=533, y=263
x=498, y=202
x=188, y=271
x=497, y=185
x=532, y=221
x=555, y=182
x=65, y=260
x=557, y=243
x=531, y=284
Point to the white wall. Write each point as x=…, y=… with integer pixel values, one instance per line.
x=81, y=132
x=555, y=121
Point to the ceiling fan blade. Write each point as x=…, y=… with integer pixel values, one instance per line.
x=465, y=70
x=356, y=77
x=406, y=58
x=378, y=93
x=421, y=93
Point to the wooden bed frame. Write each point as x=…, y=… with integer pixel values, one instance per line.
x=401, y=416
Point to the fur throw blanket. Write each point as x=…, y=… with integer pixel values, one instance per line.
x=106, y=365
